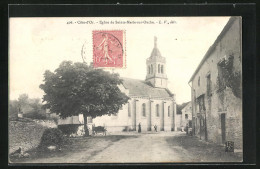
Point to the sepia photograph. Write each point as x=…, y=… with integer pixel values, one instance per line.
x=125, y=90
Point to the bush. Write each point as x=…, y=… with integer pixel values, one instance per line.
x=40, y=115
x=68, y=129
x=52, y=137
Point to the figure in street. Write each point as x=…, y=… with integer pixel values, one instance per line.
x=155, y=128
x=139, y=128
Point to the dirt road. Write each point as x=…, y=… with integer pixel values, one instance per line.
x=144, y=148
x=136, y=148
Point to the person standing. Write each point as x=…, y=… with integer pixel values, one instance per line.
x=155, y=128
x=139, y=128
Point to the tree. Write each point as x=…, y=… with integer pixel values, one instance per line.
x=23, y=99
x=76, y=88
x=13, y=109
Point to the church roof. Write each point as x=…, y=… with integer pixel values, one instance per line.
x=145, y=89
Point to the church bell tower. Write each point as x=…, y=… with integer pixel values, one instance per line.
x=156, y=66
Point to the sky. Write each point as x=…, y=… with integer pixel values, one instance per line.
x=40, y=44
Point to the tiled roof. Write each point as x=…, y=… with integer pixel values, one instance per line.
x=144, y=89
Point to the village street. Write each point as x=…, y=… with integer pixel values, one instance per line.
x=134, y=147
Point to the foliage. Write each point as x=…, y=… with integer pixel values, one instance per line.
x=52, y=137
x=40, y=115
x=68, y=129
x=13, y=109
x=30, y=107
x=76, y=88
x=227, y=77
x=23, y=99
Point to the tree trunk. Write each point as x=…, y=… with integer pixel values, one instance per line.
x=86, y=125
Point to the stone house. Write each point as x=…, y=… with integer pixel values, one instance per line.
x=151, y=102
x=186, y=114
x=216, y=89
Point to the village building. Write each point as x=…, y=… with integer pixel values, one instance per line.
x=186, y=115
x=216, y=89
x=151, y=103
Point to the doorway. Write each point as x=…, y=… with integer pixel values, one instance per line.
x=223, y=127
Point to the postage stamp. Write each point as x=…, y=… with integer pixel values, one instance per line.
x=109, y=48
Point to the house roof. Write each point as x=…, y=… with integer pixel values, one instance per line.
x=145, y=89
x=212, y=47
x=181, y=107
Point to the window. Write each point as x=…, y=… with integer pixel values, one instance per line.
x=159, y=69
x=157, y=110
x=151, y=69
x=201, y=103
x=129, y=110
x=89, y=119
x=168, y=111
x=209, y=85
x=143, y=108
x=186, y=116
x=201, y=122
x=220, y=78
x=199, y=81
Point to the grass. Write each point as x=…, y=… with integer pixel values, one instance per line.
x=203, y=151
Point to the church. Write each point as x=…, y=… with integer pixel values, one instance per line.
x=151, y=103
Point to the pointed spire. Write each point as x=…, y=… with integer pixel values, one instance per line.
x=155, y=41
x=155, y=52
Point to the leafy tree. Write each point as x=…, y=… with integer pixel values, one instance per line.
x=23, y=99
x=13, y=109
x=76, y=88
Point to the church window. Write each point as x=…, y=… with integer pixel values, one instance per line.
x=157, y=110
x=199, y=81
x=159, y=68
x=168, y=111
x=129, y=110
x=151, y=69
x=144, y=111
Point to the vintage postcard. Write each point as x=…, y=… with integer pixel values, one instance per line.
x=125, y=89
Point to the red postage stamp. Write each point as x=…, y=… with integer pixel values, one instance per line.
x=109, y=48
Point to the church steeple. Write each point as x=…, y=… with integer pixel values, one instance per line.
x=156, y=65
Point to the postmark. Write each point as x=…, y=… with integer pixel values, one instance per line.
x=109, y=48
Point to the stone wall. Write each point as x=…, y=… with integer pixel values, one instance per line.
x=27, y=133
x=24, y=134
